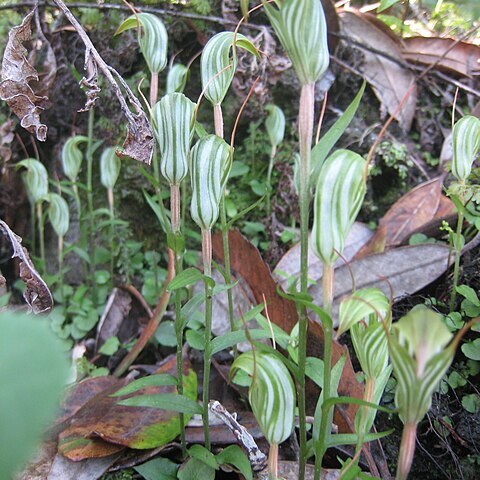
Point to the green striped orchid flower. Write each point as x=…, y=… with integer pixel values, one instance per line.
x=110, y=166
x=272, y=398
x=209, y=168
x=339, y=195
x=177, y=78
x=219, y=53
x=72, y=156
x=466, y=144
x=153, y=39
x=275, y=125
x=173, y=118
x=36, y=179
x=302, y=30
x=420, y=357
x=58, y=213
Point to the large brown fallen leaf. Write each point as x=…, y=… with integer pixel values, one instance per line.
x=390, y=81
x=289, y=264
x=91, y=469
x=246, y=262
x=17, y=74
x=445, y=53
x=36, y=294
x=102, y=427
x=405, y=270
x=416, y=209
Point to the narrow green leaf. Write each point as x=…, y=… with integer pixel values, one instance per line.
x=110, y=166
x=177, y=78
x=384, y=4
x=352, y=438
x=159, y=213
x=165, y=401
x=210, y=164
x=322, y=149
x=219, y=55
x=229, y=339
x=157, y=380
x=173, y=118
x=466, y=144
x=153, y=39
x=72, y=156
x=58, y=214
x=187, y=277
x=302, y=30
x=36, y=178
x=339, y=195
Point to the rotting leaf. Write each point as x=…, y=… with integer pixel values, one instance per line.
x=418, y=208
x=390, y=81
x=102, y=427
x=37, y=294
x=17, y=73
x=246, y=261
x=90, y=469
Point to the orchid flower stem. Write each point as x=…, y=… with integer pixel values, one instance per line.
x=269, y=178
x=175, y=218
x=325, y=421
x=218, y=119
x=456, y=267
x=83, y=232
x=364, y=412
x=306, y=117
x=91, y=223
x=407, y=450
x=273, y=462
x=111, y=204
x=153, y=88
x=207, y=271
x=60, y=265
x=41, y=232
x=33, y=222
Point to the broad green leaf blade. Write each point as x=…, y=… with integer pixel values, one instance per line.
x=177, y=78
x=194, y=469
x=36, y=178
x=321, y=150
x=164, y=401
x=158, y=469
x=275, y=124
x=271, y=395
x=173, y=118
x=58, y=214
x=466, y=144
x=33, y=373
x=203, y=455
x=153, y=39
x=339, y=195
x=359, y=306
x=72, y=156
x=219, y=55
x=233, y=455
x=110, y=166
x=210, y=163
x=232, y=338
x=302, y=30
x=157, y=380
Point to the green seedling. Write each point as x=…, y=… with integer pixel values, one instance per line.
x=272, y=397
x=275, y=125
x=301, y=28
x=210, y=166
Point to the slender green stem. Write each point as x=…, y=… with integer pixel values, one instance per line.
x=175, y=218
x=407, y=450
x=273, y=153
x=273, y=462
x=91, y=230
x=207, y=270
x=326, y=416
x=456, y=267
x=81, y=225
x=218, y=119
x=306, y=115
x=41, y=231
x=60, y=266
x=34, y=230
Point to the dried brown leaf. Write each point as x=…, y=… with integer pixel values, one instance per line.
x=37, y=294
x=17, y=74
x=390, y=81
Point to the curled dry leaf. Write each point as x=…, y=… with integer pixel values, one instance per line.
x=390, y=81
x=416, y=210
x=445, y=53
x=37, y=294
x=17, y=74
